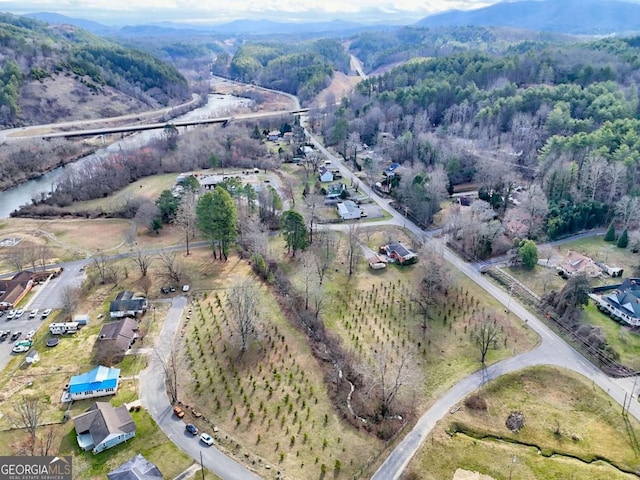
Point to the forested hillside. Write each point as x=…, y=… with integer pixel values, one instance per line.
x=558, y=120
x=303, y=69
x=47, y=70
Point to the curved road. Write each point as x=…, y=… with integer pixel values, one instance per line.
x=153, y=397
x=553, y=350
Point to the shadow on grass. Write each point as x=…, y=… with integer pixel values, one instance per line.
x=633, y=439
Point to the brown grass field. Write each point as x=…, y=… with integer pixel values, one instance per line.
x=575, y=432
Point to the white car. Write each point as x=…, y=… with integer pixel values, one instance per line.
x=19, y=313
x=11, y=314
x=33, y=313
x=206, y=438
x=20, y=348
x=46, y=313
x=30, y=335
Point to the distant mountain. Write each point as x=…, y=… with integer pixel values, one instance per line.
x=76, y=74
x=587, y=17
x=236, y=27
x=57, y=19
x=267, y=27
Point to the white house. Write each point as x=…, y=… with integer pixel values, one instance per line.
x=325, y=175
x=98, y=382
x=348, y=210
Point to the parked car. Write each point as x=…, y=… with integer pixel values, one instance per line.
x=178, y=412
x=164, y=290
x=19, y=313
x=30, y=335
x=11, y=314
x=206, y=438
x=4, y=334
x=185, y=288
x=33, y=313
x=21, y=348
x=16, y=335
x=191, y=428
x=46, y=313
x=172, y=288
x=2, y=312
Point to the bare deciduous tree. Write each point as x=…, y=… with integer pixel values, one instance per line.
x=186, y=217
x=143, y=261
x=169, y=365
x=354, y=251
x=486, y=335
x=390, y=371
x=16, y=258
x=243, y=308
x=144, y=284
x=100, y=263
x=70, y=298
x=171, y=267
x=44, y=252
x=27, y=413
x=324, y=251
x=46, y=443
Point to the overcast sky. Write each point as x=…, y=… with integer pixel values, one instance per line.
x=127, y=12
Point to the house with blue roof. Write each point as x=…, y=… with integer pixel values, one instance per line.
x=98, y=382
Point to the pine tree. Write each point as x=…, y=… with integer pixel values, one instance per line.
x=623, y=240
x=610, y=236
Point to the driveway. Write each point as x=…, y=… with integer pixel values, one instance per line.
x=154, y=398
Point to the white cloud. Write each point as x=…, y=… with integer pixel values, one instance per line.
x=144, y=11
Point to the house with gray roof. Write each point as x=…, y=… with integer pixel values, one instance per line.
x=116, y=338
x=348, y=210
x=622, y=303
x=127, y=305
x=103, y=426
x=137, y=468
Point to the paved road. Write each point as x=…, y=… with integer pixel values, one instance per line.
x=553, y=350
x=154, y=398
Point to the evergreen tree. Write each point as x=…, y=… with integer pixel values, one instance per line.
x=294, y=231
x=623, y=240
x=217, y=218
x=610, y=236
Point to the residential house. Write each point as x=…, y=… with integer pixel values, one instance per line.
x=14, y=290
x=348, y=210
x=623, y=303
x=127, y=305
x=136, y=468
x=575, y=263
x=334, y=190
x=390, y=171
x=103, y=426
x=325, y=175
x=397, y=252
x=116, y=338
x=98, y=382
x=273, y=135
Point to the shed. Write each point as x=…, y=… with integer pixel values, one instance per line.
x=82, y=319
x=32, y=357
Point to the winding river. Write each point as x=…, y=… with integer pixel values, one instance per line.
x=217, y=106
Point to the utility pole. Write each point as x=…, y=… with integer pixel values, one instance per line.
x=201, y=465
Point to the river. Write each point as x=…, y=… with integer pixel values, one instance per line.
x=218, y=105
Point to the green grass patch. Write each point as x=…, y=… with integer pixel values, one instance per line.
x=622, y=338
x=150, y=441
x=569, y=422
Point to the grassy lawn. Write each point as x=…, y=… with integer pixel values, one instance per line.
x=150, y=441
x=541, y=279
x=565, y=429
x=148, y=187
x=623, y=340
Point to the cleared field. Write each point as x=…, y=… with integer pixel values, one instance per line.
x=272, y=400
x=572, y=432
